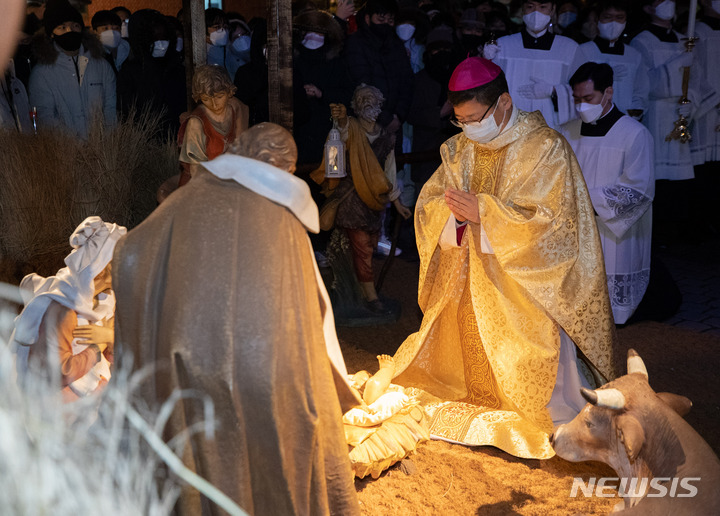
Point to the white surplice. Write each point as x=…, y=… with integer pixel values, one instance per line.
x=672, y=159
x=630, y=77
x=522, y=64
x=618, y=170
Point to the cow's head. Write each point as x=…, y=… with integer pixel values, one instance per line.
x=610, y=427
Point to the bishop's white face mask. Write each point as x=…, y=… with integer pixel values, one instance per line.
x=160, y=48
x=611, y=30
x=485, y=130
x=219, y=38
x=666, y=10
x=313, y=40
x=405, y=31
x=536, y=21
x=110, y=38
x=124, y=29
x=589, y=113
x=179, y=45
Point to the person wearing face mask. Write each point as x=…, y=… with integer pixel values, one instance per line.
x=217, y=35
x=537, y=64
x=510, y=260
x=320, y=79
x=410, y=27
x=124, y=15
x=153, y=78
x=375, y=55
x=664, y=55
x=72, y=83
x=470, y=34
x=567, y=14
x=615, y=153
x=630, y=84
x=238, y=48
x=106, y=24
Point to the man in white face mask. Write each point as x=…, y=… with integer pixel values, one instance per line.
x=630, y=75
x=107, y=24
x=237, y=51
x=664, y=55
x=217, y=35
x=537, y=64
x=615, y=153
x=508, y=246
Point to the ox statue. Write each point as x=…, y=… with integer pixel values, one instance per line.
x=664, y=466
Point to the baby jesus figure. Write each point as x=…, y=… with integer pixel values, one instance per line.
x=370, y=388
x=386, y=427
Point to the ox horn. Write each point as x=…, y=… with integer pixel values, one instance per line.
x=608, y=398
x=635, y=364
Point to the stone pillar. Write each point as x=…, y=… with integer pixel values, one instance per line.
x=279, y=58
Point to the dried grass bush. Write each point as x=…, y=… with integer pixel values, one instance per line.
x=52, y=181
x=59, y=459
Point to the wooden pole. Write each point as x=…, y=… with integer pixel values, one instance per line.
x=195, y=45
x=279, y=58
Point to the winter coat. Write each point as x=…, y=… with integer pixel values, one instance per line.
x=429, y=129
x=14, y=105
x=63, y=101
x=385, y=65
x=312, y=115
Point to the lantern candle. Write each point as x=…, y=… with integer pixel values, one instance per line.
x=334, y=154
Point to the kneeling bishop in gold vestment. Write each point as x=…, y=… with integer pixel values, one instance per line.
x=497, y=304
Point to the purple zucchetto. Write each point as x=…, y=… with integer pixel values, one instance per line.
x=473, y=72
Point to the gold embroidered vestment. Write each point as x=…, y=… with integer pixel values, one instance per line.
x=490, y=337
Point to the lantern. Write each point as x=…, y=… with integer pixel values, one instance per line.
x=334, y=154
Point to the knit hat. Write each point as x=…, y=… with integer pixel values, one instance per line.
x=473, y=72
x=471, y=19
x=58, y=12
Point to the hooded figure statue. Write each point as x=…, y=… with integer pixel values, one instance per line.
x=225, y=305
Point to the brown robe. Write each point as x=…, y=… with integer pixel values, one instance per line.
x=217, y=288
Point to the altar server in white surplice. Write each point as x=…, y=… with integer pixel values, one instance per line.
x=663, y=53
x=630, y=85
x=537, y=64
x=615, y=153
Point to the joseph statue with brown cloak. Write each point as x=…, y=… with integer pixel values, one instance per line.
x=512, y=281
x=219, y=291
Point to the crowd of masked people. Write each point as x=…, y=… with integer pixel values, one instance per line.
x=64, y=73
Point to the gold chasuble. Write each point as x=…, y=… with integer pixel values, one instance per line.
x=486, y=355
